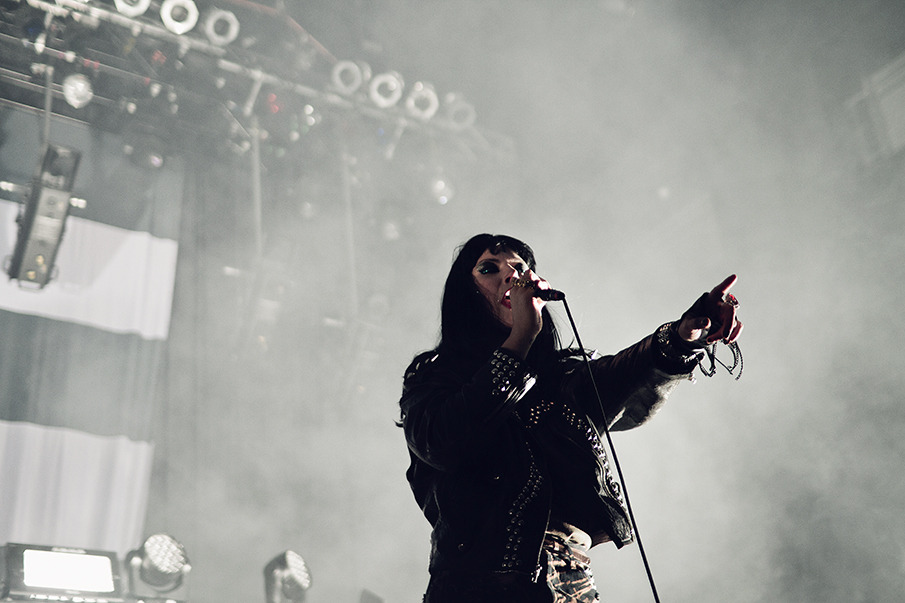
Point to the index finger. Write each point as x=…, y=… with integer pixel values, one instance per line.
x=724, y=287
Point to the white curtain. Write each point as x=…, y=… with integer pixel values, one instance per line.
x=64, y=487
x=109, y=278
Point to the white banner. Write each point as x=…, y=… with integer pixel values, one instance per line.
x=107, y=277
x=62, y=487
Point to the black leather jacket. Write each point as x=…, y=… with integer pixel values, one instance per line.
x=495, y=453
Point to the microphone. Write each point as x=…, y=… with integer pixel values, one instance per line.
x=549, y=294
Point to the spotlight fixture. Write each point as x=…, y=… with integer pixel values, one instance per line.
x=158, y=569
x=179, y=16
x=422, y=102
x=51, y=573
x=385, y=89
x=43, y=220
x=459, y=112
x=77, y=90
x=132, y=8
x=286, y=578
x=220, y=26
x=348, y=76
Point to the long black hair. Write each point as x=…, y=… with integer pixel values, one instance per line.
x=469, y=329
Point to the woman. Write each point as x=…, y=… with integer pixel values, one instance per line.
x=503, y=430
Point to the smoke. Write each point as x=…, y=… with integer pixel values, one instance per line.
x=656, y=148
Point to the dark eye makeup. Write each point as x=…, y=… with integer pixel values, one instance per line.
x=490, y=267
x=487, y=268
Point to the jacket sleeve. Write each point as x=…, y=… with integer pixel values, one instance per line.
x=444, y=414
x=634, y=383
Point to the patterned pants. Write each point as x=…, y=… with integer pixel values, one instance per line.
x=564, y=562
x=568, y=567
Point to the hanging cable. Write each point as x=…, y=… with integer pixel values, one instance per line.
x=710, y=353
x=616, y=464
x=48, y=104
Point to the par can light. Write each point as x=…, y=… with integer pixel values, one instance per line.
x=132, y=8
x=422, y=102
x=385, y=89
x=348, y=76
x=179, y=16
x=459, y=113
x=220, y=26
x=77, y=90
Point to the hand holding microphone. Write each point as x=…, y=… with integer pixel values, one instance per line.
x=544, y=294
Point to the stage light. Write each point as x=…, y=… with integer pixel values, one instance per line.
x=77, y=90
x=179, y=16
x=347, y=76
x=286, y=578
x=132, y=8
x=47, y=573
x=43, y=220
x=422, y=102
x=220, y=26
x=158, y=569
x=385, y=89
x=458, y=112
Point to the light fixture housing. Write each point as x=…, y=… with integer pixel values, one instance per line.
x=132, y=8
x=422, y=102
x=459, y=113
x=43, y=219
x=286, y=578
x=77, y=90
x=220, y=26
x=385, y=89
x=179, y=16
x=158, y=569
x=51, y=573
x=348, y=77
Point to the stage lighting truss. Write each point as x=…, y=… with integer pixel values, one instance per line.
x=286, y=578
x=877, y=112
x=193, y=53
x=158, y=569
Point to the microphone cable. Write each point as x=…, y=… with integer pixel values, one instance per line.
x=609, y=440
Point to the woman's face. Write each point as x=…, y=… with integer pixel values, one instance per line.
x=494, y=275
